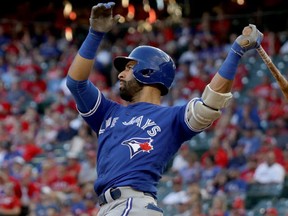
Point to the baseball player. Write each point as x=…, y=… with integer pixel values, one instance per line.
x=137, y=141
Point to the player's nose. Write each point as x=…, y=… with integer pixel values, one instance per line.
x=123, y=74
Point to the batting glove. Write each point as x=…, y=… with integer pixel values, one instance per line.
x=244, y=43
x=101, y=18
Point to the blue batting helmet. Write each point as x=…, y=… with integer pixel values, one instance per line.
x=154, y=66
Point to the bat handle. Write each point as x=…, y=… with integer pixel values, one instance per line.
x=267, y=60
x=264, y=55
x=283, y=83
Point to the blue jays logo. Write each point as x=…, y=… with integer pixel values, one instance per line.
x=137, y=145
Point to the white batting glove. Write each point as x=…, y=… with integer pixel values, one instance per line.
x=244, y=43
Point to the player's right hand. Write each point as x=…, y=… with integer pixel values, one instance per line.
x=101, y=18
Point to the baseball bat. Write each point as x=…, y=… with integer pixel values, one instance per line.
x=282, y=82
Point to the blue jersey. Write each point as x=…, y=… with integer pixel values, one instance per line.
x=135, y=142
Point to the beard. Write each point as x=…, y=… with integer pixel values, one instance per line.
x=129, y=89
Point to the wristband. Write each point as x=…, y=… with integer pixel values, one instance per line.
x=91, y=43
x=229, y=67
x=236, y=48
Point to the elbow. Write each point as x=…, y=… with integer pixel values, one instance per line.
x=76, y=86
x=69, y=82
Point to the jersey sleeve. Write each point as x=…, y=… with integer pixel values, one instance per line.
x=91, y=103
x=186, y=132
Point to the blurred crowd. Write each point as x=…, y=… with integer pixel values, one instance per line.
x=48, y=153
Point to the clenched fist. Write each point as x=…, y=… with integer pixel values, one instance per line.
x=101, y=18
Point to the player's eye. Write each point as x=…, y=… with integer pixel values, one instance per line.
x=129, y=67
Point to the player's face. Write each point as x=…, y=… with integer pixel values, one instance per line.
x=129, y=86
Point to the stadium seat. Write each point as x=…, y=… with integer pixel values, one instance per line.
x=258, y=192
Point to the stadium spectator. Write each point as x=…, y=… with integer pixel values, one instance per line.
x=271, y=212
x=13, y=183
x=16, y=167
x=191, y=173
x=47, y=171
x=63, y=181
x=216, y=151
x=219, y=206
x=246, y=115
x=9, y=203
x=269, y=171
x=90, y=199
x=194, y=193
x=235, y=186
x=270, y=144
x=197, y=209
x=180, y=160
x=47, y=204
x=238, y=207
x=29, y=188
x=73, y=165
x=247, y=173
x=183, y=208
x=238, y=159
x=251, y=140
x=80, y=140
x=209, y=171
x=77, y=203
x=264, y=88
x=66, y=132
x=217, y=186
x=279, y=131
x=88, y=168
x=176, y=194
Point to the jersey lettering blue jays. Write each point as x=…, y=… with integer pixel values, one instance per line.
x=135, y=142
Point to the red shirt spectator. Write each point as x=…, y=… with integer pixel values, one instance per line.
x=5, y=179
x=48, y=172
x=198, y=83
x=217, y=152
x=248, y=172
x=73, y=165
x=270, y=144
x=30, y=151
x=35, y=87
x=10, y=203
x=264, y=88
x=63, y=181
x=271, y=212
x=28, y=148
x=30, y=189
x=5, y=109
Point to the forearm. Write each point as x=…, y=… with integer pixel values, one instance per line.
x=250, y=39
x=223, y=80
x=220, y=84
x=80, y=68
x=82, y=64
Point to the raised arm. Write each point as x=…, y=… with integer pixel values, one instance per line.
x=250, y=38
x=203, y=111
x=101, y=21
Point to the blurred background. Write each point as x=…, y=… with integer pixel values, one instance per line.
x=238, y=166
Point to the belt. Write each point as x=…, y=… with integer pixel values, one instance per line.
x=116, y=193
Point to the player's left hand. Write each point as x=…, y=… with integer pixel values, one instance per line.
x=252, y=39
x=101, y=18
